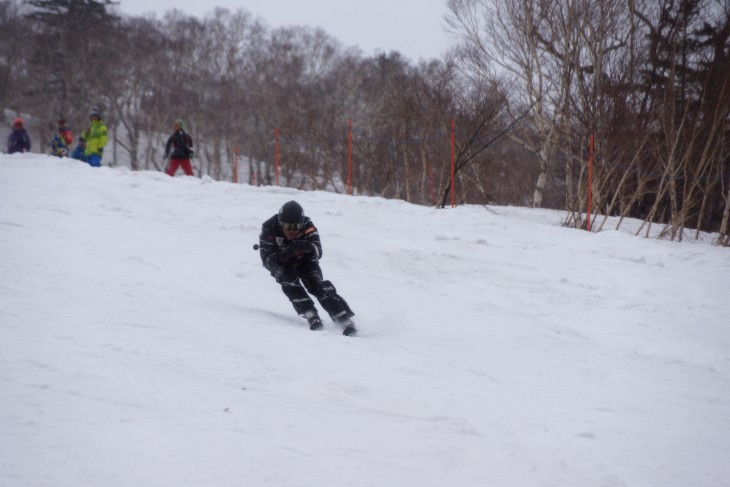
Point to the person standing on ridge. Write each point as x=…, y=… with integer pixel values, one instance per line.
x=179, y=148
x=65, y=132
x=61, y=141
x=96, y=136
x=80, y=150
x=18, y=140
x=290, y=250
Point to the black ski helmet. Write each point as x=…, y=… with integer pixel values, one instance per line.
x=291, y=213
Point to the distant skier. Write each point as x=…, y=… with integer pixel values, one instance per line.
x=61, y=141
x=181, y=145
x=18, y=140
x=96, y=136
x=65, y=132
x=290, y=249
x=80, y=150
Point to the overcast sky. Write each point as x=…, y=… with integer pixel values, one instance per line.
x=412, y=27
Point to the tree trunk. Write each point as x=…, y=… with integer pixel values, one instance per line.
x=541, y=181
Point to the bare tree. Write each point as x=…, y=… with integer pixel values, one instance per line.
x=70, y=57
x=687, y=93
x=503, y=34
x=138, y=47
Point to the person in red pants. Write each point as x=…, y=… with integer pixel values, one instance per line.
x=179, y=149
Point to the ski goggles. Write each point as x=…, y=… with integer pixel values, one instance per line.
x=291, y=226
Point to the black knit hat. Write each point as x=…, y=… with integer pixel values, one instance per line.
x=291, y=213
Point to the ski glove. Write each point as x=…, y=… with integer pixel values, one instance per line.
x=281, y=259
x=303, y=247
x=295, y=251
x=287, y=256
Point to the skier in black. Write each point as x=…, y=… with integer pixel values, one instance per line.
x=181, y=145
x=290, y=249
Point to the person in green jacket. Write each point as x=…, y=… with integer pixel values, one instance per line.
x=96, y=137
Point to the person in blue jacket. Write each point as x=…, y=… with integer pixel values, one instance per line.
x=80, y=151
x=59, y=147
x=18, y=140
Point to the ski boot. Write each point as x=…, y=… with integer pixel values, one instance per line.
x=348, y=327
x=313, y=319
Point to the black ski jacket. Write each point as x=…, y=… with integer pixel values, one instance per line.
x=181, y=144
x=273, y=245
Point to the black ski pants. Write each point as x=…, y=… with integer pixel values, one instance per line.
x=305, y=278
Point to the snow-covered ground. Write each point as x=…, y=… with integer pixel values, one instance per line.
x=142, y=343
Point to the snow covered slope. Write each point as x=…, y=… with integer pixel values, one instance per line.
x=142, y=343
